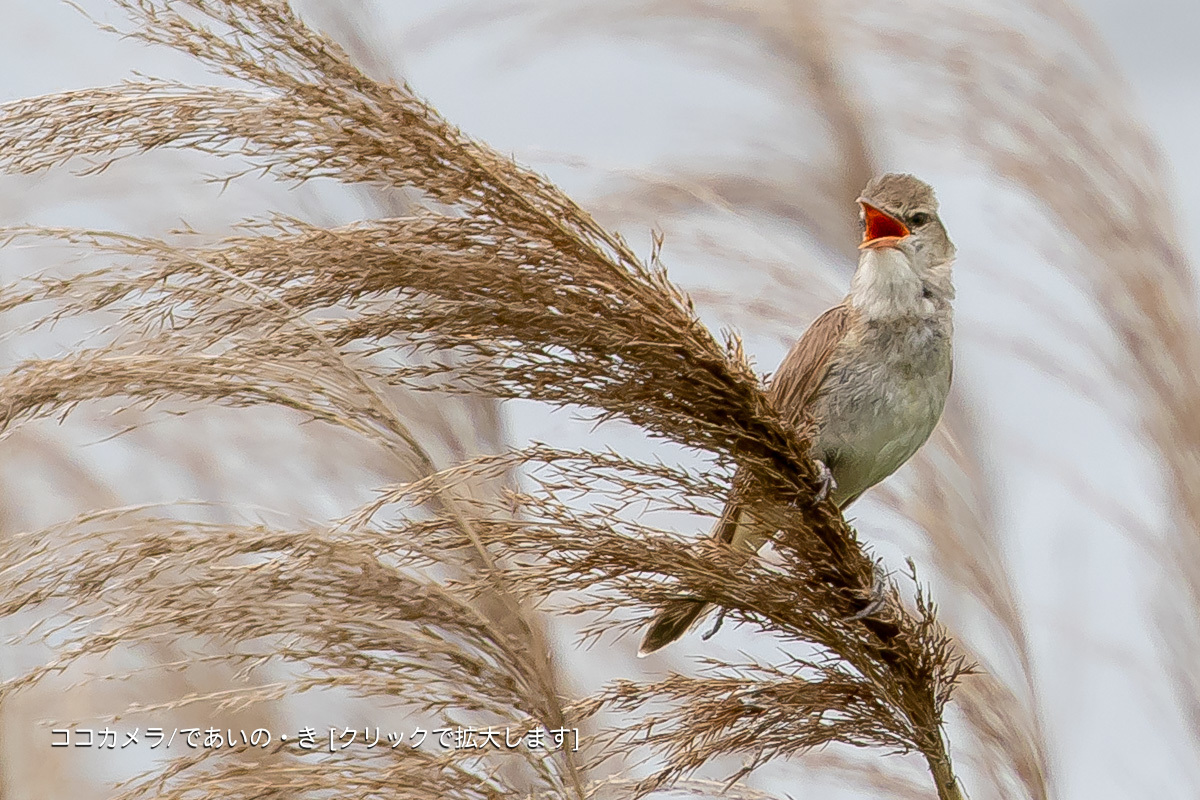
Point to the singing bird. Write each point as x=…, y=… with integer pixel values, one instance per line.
x=873, y=371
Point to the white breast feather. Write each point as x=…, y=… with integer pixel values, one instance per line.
x=885, y=287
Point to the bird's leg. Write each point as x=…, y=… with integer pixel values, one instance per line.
x=716, y=625
x=828, y=484
x=877, y=597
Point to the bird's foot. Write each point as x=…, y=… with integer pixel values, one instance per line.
x=875, y=599
x=828, y=484
x=716, y=625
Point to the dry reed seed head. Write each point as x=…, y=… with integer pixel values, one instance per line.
x=532, y=299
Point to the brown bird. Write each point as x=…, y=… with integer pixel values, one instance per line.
x=873, y=371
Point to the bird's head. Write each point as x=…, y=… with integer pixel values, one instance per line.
x=900, y=211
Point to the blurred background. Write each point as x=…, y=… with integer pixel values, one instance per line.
x=1055, y=513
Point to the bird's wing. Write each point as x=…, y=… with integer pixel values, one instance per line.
x=804, y=367
x=793, y=387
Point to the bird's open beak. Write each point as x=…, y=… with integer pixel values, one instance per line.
x=883, y=230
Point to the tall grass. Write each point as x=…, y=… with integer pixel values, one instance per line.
x=494, y=284
x=1027, y=95
x=370, y=361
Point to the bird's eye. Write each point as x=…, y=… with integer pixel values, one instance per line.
x=919, y=219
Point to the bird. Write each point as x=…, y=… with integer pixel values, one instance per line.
x=873, y=371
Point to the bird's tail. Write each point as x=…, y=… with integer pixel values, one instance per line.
x=679, y=614
x=671, y=622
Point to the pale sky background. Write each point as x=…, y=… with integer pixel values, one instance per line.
x=617, y=107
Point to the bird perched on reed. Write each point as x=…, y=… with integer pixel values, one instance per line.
x=873, y=371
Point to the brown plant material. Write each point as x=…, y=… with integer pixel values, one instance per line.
x=796, y=49
x=1057, y=122
x=505, y=288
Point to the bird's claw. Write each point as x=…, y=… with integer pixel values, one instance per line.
x=876, y=599
x=716, y=625
x=828, y=484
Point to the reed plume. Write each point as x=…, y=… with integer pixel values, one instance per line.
x=803, y=53
x=495, y=285
x=1029, y=95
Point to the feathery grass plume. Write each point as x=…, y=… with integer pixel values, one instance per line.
x=507, y=289
x=1139, y=274
x=1059, y=124
x=1044, y=108
x=797, y=51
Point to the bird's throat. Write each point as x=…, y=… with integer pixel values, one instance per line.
x=885, y=286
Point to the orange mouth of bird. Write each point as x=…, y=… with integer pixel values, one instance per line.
x=883, y=230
